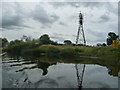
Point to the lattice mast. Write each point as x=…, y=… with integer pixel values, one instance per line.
x=80, y=30
x=80, y=73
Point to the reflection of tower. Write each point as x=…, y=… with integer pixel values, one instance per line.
x=80, y=33
x=80, y=68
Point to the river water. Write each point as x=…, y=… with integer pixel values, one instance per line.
x=18, y=72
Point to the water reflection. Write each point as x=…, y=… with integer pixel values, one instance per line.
x=46, y=73
x=80, y=75
x=41, y=65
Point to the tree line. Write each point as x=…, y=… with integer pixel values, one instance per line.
x=45, y=39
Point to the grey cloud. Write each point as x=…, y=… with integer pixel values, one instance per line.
x=112, y=8
x=43, y=17
x=96, y=34
x=58, y=37
x=54, y=18
x=77, y=4
x=12, y=17
x=104, y=18
x=100, y=40
x=57, y=4
x=99, y=36
x=109, y=5
x=61, y=23
x=85, y=4
x=50, y=82
x=11, y=21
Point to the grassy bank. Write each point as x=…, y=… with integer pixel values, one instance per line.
x=65, y=51
x=112, y=65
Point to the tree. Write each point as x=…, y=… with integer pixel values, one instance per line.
x=103, y=44
x=45, y=39
x=15, y=42
x=53, y=43
x=99, y=44
x=111, y=36
x=26, y=38
x=67, y=42
x=3, y=42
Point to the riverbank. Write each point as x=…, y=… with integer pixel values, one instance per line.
x=112, y=64
x=65, y=51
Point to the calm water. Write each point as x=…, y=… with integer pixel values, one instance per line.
x=33, y=73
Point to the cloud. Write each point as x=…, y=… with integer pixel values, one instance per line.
x=95, y=33
x=12, y=17
x=104, y=18
x=85, y=4
x=39, y=14
x=57, y=37
x=95, y=36
x=63, y=24
x=77, y=4
x=57, y=4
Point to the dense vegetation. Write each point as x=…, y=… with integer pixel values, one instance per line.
x=46, y=47
x=53, y=51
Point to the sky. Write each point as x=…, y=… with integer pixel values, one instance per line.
x=60, y=20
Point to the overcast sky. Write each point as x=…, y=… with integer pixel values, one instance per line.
x=59, y=20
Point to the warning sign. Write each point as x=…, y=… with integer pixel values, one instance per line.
x=115, y=43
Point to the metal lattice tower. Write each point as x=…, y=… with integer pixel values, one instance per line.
x=80, y=32
x=80, y=68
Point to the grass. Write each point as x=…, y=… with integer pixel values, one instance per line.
x=104, y=52
x=54, y=51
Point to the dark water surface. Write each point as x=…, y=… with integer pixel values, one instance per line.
x=21, y=72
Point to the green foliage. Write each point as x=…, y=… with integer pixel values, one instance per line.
x=53, y=52
x=45, y=39
x=111, y=36
x=31, y=52
x=67, y=42
x=3, y=42
x=53, y=43
x=78, y=50
x=15, y=42
x=16, y=48
x=67, y=53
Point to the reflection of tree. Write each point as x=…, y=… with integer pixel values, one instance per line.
x=41, y=65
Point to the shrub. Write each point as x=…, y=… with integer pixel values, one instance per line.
x=53, y=52
x=78, y=50
x=31, y=52
x=68, y=52
x=17, y=48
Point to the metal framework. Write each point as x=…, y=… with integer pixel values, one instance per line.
x=80, y=30
x=80, y=71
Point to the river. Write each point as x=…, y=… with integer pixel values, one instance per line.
x=19, y=72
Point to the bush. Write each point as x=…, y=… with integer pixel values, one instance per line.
x=31, y=52
x=78, y=50
x=17, y=48
x=68, y=52
x=53, y=52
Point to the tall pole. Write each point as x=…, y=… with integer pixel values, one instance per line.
x=80, y=30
